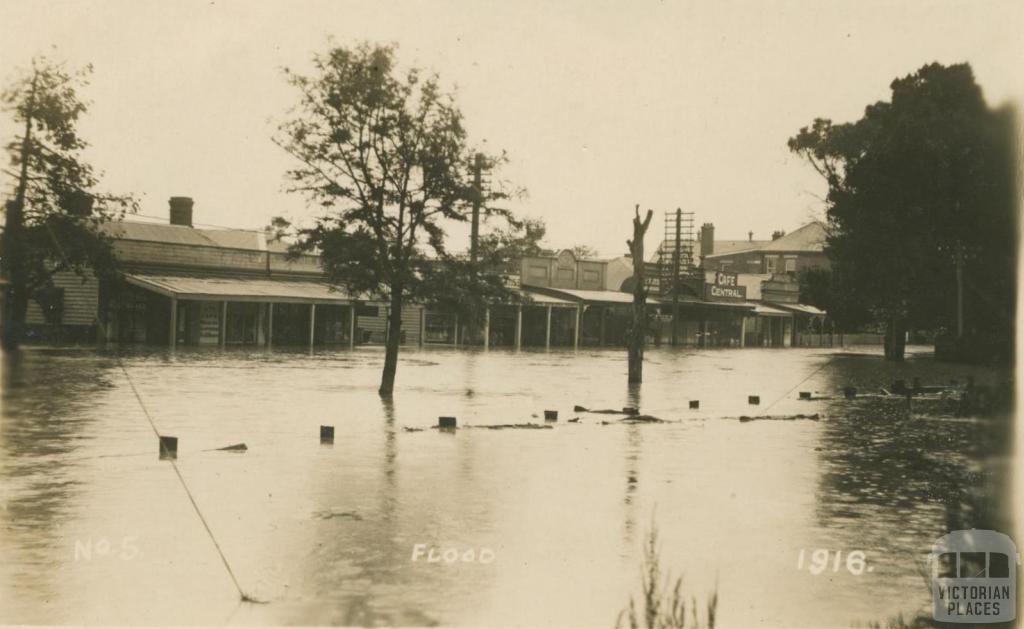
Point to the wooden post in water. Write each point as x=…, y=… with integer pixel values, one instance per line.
x=547, y=331
x=352, y=326
x=270, y=323
x=638, y=335
x=312, y=323
x=223, y=323
x=173, y=330
x=576, y=332
x=519, y=327
x=487, y=328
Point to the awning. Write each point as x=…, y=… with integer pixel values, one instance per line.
x=800, y=309
x=577, y=296
x=240, y=289
x=762, y=310
x=541, y=299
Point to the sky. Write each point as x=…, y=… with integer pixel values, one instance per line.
x=600, y=106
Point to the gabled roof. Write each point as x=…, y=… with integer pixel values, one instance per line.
x=810, y=237
x=183, y=235
x=736, y=246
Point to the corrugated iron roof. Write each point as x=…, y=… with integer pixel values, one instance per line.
x=184, y=235
x=239, y=289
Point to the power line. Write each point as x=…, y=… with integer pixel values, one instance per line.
x=244, y=597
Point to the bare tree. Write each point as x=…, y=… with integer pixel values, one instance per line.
x=639, y=331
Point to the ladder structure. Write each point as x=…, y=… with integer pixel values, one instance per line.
x=676, y=260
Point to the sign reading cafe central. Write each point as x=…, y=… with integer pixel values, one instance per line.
x=725, y=287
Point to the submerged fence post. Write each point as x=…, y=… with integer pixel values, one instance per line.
x=326, y=434
x=168, y=447
x=446, y=422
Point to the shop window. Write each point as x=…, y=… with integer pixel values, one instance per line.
x=790, y=265
x=771, y=264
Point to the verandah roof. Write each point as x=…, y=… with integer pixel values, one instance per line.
x=240, y=289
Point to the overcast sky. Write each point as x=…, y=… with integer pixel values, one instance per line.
x=599, y=105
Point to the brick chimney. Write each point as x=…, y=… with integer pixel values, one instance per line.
x=750, y=236
x=707, y=239
x=181, y=211
x=778, y=234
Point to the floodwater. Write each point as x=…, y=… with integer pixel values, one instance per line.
x=549, y=524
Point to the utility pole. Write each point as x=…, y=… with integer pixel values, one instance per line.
x=675, y=278
x=474, y=234
x=959, y=290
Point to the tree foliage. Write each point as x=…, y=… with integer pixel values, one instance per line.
x=914, y=185
x=383, y=154
x=54, y=213
x=505, y=247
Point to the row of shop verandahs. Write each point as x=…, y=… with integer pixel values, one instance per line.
x=218, y=310
x=182, y=285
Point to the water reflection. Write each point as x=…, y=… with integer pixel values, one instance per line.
x=327, y=533
x=894, y=476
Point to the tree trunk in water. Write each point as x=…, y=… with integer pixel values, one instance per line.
x=387, y=379
x=636, y=342
x=638, y=335
x=16, y=300
x=895, y=339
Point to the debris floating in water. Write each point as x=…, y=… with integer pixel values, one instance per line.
x=550, y=416
x=628, y=410
x=327, y=514
x=238, y=447
x=754, y=399
x=643, y=419
x=694, y=404
x=747, y=418
x=504, y=426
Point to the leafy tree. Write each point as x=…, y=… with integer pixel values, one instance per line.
x=584, y=252
x=52, y=220
x=918, y=187
x=819, y=287
x=506, y=247
x=384, y=154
